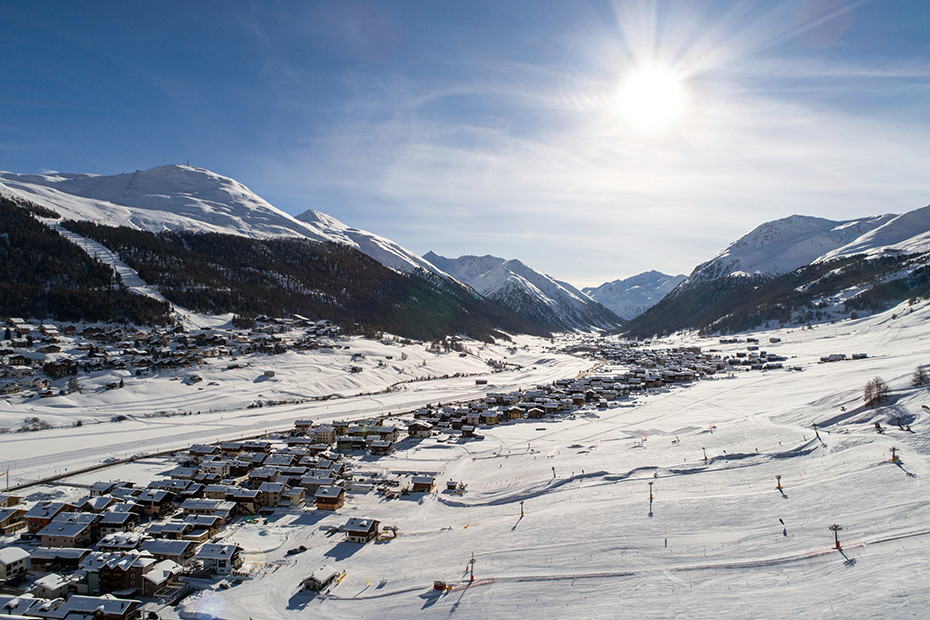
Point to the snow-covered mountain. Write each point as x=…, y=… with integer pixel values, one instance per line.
x=522, y=289
x=908, y=232
x=178, y=197
x=632, y=296
x=382, y=250
x=783, y=245
x=801, y=270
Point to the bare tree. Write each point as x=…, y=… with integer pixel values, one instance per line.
x=919, y=377
x=875, y=391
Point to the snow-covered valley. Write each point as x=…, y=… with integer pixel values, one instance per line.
x=622, y=512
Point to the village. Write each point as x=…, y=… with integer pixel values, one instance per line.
x=128, y=546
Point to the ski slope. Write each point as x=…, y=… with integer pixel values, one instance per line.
x=716, y=539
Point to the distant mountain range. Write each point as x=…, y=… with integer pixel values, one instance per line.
x=558, y=305
x=185, y=201
x=632, y=296
x=208, y=241
x=798, y=270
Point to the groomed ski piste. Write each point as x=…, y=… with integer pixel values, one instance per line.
x=622, y=514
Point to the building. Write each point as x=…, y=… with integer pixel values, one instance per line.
x=322, y=578
x=42, y=514
x=423, y=484
x=11, y=520
x=220, y=559
x=361, y=530
x=330, y=497
x=13, y=563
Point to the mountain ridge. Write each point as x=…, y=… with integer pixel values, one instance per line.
x=523, y=289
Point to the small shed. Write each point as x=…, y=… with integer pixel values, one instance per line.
x=423, y=484
x=322, y=578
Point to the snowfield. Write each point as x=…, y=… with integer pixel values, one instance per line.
x=623, y=515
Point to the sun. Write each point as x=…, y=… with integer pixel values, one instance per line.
x=652, y=99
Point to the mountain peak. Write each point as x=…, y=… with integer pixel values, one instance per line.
x=518, y=287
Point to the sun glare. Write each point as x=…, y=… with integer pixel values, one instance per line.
x=652, y=99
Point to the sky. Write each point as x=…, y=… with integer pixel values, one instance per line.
x=592, y=140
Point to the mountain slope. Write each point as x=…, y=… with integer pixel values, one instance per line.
x=178, y=198
x=176, y=204
x=518, y=287
x=382, y=250
x=632, y=296
x=783, y=245
x=800, y=270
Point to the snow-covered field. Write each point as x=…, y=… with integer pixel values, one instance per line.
x=156, y=405
x=717, y=538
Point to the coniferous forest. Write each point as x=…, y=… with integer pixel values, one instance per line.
x=217, y=273
x=46, y=276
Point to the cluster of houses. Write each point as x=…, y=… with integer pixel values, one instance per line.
x=34, y=355
x=134, y=542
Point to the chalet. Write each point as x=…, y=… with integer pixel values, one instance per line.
x=245, y=501
x=51, y=586
x=96, y=504
x=120, y=542
x=303, y=425
x=271, y=493
x=262, y=474
x=216, y=491
x=538, y=412
x=291, y=475
x=67, y=534
x=514, y=413
x=322, y=578
x=388, y=433
x=254, y=459
x=171, y=530
x=423, y=484
x=380, y=447
x=361, y=530
x=175, y=486
x=312, y=483
x=156, y=502
x=468, y=430
x=160, y=576
x=210, y=507
x=199, y=452
x=231, y=448
x=104, y=608
x=13, y=563
x=325, y=434
x=42, y=514
x=210, y=524
x=254, y=445
x=420, y=429
x=220, y=559
x=281, y=459
x=105, y=488
x=294, y=497
x=183, y=473
x=118, y=572
x=11, y=520
x=215, y=467
x=490, y=418
x=349, y=442
x=330, y=497
x=49, y=559
x=179, y=551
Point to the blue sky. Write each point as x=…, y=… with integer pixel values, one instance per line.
x=490, y=126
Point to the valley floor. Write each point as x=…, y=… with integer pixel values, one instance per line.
x=716, y=537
